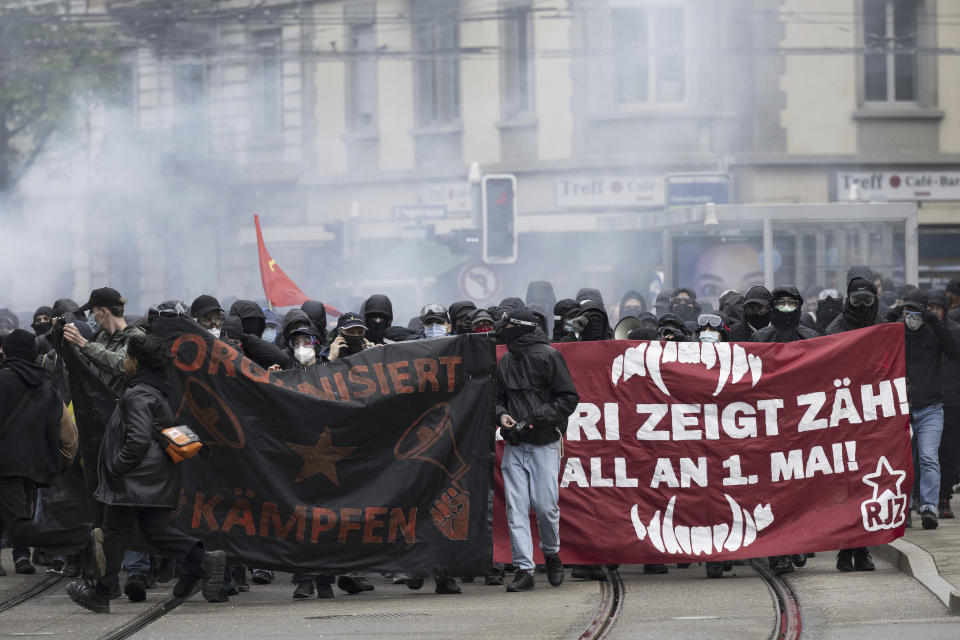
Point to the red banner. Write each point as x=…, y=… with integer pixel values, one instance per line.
x=693, y=452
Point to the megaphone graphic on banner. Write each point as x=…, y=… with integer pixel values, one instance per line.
x=430, y=439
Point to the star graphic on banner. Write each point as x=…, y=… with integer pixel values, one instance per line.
x=320, y=458
x=884, y=478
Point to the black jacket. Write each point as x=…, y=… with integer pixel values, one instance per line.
x=924, y=348
x=950, y=371
x=29, y=443
x=133, y=467
x=771, y=333
x=533, y=384
x=743, y=332
x=844, y=322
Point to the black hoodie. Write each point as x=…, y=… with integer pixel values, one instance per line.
x=460, y=313
x=598, y=325
x=378, y=304
x=855, y=317
x=29, y=444
x=784, y=327
x=251, y=316
x=317, y=314
x=561, y=309
x=540, y=293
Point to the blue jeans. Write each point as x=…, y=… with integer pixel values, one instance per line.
x=927, y=426
x=531, y=478
x=136, y=563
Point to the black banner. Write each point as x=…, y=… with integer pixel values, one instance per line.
x=381, y=461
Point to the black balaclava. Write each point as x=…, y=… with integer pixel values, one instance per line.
x=757, y=294
x=598, y=327
x=731, y=306
x=380, y=305
x=860, y=317
x=686, y=309
x=632, y=310
x=40, y=328
x=827, y=310
x=460, y=313
x=783, y=320
x=511, y=334
x=662, y=304
x=252, y=319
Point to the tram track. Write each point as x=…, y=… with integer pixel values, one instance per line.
x=31, y=592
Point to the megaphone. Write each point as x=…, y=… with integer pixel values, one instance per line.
x=430, y=439
x=625, y=326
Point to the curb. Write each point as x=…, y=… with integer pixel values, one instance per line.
x=920, y=565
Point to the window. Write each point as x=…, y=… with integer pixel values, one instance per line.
x=189, y=99
x=517, y=60
x=437, y=65
x=890, y=57
x=649, y=63
x=362, y=77
x=266, y=82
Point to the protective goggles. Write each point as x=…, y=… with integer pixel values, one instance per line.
x=519, y=323
x=432, y=308
x=786, y=304
x=862, y=299
x=709, y=320
x=829, y=293
x=909, y=313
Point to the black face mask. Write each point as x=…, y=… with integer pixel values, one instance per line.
x=684, y=312
x=596, y=327
x=757, y=320
x=354, y=344
x=512, y=333
x=789, y=320
x=827, y=311
x=860, y=316
x=376, y=329
x=40, y=328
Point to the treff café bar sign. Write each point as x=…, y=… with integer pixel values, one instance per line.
x=609, y=191
x=899, y=186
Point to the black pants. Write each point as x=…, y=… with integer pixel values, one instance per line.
x=949, y=451
x=16, y=518
x=156, y=530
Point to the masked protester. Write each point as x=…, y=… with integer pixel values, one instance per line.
x=481, y=321
x=786, y=306
x=460, y=313
x=252, y=319
x=378, y=318
x=829, y=307
x=42, y=321
x=271, y=328
x=711, y=327
x=647, y=329
x=532, y=413
x=731, y=307
x=592, y=323
x=927, y=341
x=208, y=314
x=949, y=451
x=589, y=294
x=350, y=337
x=632, y=304
x=756, y=314
x=672, y=329
x=435, y=321
x=564, y=312
x=684, y=304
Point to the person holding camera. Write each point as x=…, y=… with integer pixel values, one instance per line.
x=140, y=484
x=535, y=396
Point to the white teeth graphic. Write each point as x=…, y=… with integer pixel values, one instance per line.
x=702, y=539
x=645, y=359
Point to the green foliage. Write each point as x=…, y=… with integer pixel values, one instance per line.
x=51, y=62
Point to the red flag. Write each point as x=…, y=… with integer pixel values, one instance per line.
x=278, y=287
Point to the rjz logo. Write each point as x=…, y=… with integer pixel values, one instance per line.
x=887, y=509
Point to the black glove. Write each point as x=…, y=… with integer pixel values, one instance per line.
x=931, y=319
x=512, y=436
x=894, y=314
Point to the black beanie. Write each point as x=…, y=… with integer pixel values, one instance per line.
x=20, y=344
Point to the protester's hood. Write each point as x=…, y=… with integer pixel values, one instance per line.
x=29, y=373
x=731, y=306
x=861, y=271
x=66, y=305
x=317, y=314
x=589, y=293
x=461, y=309
x=565, y=307
x=687, y=290
x=630, y=295
x=938, y=297
x=251, y=316
x=378, y=303
x=397, y=333
x=789, y=291
x=293, y=318
x=511, y=304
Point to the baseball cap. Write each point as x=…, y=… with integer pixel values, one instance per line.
x=915, y=300
x=203, y=305
x=104, y=297
x=350, y=319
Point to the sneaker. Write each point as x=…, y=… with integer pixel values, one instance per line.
x=714, y=569
x=928, y=517
x=262, y=576
x=88, y=598
x=862, y=561
x=324, y=591
x=22, y=565
x=214, y=567
x=414, y=583
x=945, y=510
x=135, y=588
x=187, y=585
x=522, y=581
x=493, y=580
x=350, y=585
x=655, y=569
x=728, y=565
x=781, y=565
x=303, y=591
x=446, y=586
x=554, y=570
x=240, y=578
x=845, y=560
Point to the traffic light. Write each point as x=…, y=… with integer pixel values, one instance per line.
x=499, y=219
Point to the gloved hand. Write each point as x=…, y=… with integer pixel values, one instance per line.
x=894, y=314
x=931, y=319
x=512, y=436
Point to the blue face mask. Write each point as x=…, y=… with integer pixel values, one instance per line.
x=270, y=334
x=434, y=330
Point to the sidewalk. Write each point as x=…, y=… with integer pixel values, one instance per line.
x=932, y=557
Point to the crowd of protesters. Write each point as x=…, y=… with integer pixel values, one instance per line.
x=137, y=484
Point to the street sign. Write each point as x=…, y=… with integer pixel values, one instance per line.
x=419, y=212
x=690, y=189
x=479, y=282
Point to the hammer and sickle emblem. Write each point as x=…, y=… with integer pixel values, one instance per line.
x=209, y=411
x=271, y=264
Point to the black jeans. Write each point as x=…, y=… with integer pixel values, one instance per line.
x=16, y=518
x=156, y=530
x=949, y=451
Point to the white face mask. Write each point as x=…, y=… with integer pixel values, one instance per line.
x=708, y=335
x=214, y=332
x=913, y=322
x=435, y=330
x=304, y=354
